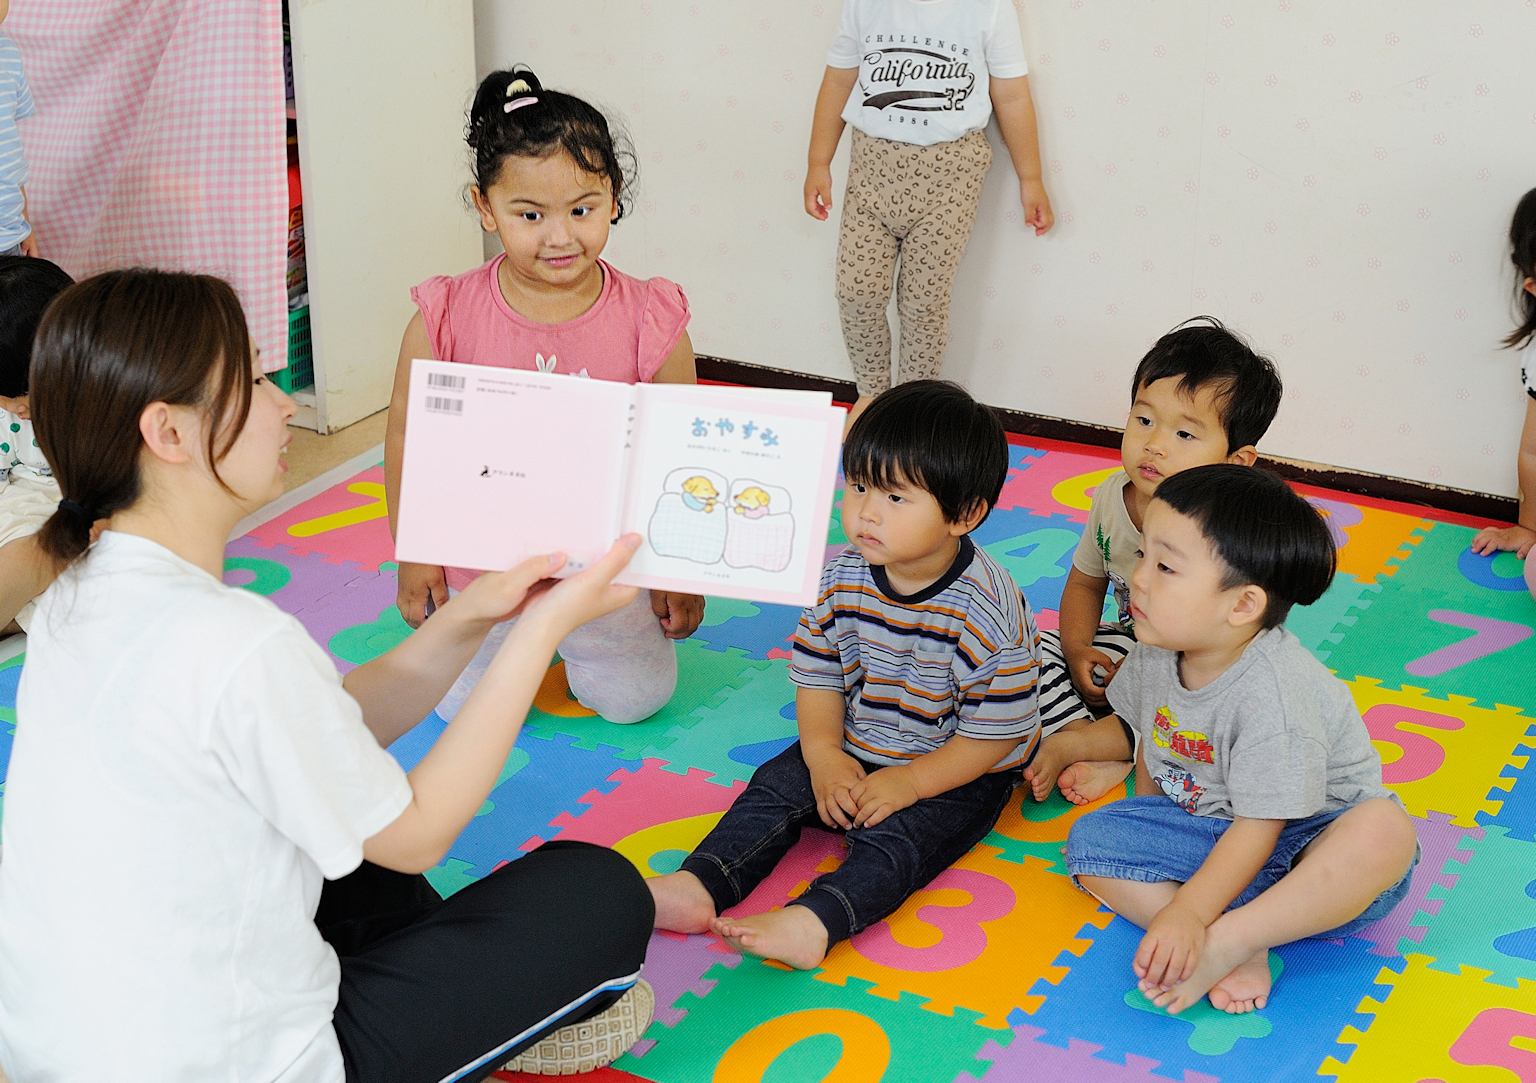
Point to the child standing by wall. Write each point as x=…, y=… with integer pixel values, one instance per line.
x=16, y=237
x=924, y=77
x=1199, y=396
x=1259, y=816
x=1521, y=538
x=916, y=671
x=549, y=181
x=28, y=493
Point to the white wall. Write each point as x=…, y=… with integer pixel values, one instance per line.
x=381, y=92
x=1333, y=179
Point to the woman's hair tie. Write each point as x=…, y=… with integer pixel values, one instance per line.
x=519, y=86
x=76, y=510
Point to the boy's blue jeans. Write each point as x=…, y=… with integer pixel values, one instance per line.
x=885, y=863
x=1151, y=839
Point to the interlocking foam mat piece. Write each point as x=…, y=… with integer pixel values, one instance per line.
x=999, y=970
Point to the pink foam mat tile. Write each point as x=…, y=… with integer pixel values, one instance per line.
x=346, y=522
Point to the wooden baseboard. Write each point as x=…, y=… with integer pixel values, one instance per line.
x=1462, y=502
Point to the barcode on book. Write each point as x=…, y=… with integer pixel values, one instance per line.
x=445, y=381
x=437, y=405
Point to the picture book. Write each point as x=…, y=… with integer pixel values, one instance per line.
x=731, y=488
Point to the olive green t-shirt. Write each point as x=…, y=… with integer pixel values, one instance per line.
x=1111, y=545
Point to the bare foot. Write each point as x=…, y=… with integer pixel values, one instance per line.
x=1246, y=988
x=793, y=935
x=1222, y=959
x=1054, y=754
x=1089, y=780
x=682, y=903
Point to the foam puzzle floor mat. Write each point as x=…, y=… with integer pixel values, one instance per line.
x=1000, y=971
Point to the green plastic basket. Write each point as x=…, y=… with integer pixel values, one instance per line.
x=301, y=360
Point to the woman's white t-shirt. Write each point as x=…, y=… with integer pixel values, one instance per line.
x=925, y=65
x=187, y=768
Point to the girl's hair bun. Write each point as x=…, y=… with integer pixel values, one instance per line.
x=523, y=81
x=497, y=89
x=513, y=115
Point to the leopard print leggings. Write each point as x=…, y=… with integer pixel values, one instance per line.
x=918, y=203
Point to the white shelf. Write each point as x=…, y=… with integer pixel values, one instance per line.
x=414, y=71
x=307, y=417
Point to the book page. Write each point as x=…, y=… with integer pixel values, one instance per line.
x=504, y=464
x=764, y=394
x=732, y=492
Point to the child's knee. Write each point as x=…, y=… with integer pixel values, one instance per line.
x=1090, y=835
x=1120, y=831
x=628, y=702
x=862, y=302
x=1383, y=828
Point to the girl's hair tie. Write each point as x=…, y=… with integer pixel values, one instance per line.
x=519, y=86
x=77, y=510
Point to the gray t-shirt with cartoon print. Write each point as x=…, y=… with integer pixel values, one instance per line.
x=1275, y=737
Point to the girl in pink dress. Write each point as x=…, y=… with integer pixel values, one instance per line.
x=549, y=182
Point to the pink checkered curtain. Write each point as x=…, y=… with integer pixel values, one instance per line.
x=158, y=141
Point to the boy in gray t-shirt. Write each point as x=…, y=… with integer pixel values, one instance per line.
x=1259, y=816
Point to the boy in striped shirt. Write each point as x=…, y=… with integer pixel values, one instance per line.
x=916, y=674
x=15, y=102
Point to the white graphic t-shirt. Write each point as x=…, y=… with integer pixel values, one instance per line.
x=924, y=65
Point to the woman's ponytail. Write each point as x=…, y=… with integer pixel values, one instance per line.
x=106, y=349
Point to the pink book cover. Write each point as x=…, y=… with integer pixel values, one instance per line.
x=731, y=488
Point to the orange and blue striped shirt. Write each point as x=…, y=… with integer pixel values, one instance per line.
x=960, y=656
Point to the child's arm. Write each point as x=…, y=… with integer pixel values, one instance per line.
x=956, y=762
x=680, y=614
x=819, y=716
x=826, y=130
x=400, y=687
x=1082, y=602
x=418, y=582
x=25, y=572
x=452, y=781
x=1015, y=111
x=29, y=244
x=1522, y=536
x=678, y=368
x=1171, y=947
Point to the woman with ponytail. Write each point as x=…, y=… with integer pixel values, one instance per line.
x=212, y=865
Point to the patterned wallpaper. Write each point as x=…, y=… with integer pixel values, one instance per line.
x=1332, y=179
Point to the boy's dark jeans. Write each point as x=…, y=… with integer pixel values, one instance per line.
x=885, y=863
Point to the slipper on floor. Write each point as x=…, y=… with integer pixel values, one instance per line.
x=591, y=1043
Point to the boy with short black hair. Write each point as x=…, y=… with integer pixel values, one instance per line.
x=1200, y=395
x=1259, y=816
x=916, y=671
x=28, y=493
